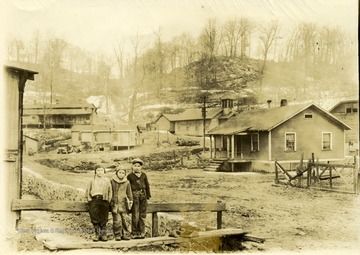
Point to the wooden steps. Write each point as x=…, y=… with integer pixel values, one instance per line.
x=213, y=166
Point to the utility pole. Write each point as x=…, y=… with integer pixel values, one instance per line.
x=204, y=119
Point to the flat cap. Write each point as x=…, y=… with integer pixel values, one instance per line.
x=137, y=160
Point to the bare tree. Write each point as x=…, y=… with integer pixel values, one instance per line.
x=268, y=35
x=137, y=73
x=119, y=54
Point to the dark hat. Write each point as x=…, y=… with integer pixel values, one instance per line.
x=137, y=160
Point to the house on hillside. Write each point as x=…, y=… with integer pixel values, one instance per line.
x=104, y=137
x=191, y=121
x=254, y=140
x=58, y=115
x=348, y=112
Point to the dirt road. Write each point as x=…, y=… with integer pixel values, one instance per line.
x=291, y=219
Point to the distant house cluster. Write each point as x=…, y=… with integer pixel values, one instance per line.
x=58, y=115
x=191, y=121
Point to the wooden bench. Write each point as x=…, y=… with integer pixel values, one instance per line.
x=153, y=208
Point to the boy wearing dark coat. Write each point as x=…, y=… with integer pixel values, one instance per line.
x=121, y=204
x=141, y=193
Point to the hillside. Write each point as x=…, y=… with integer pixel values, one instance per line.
x=182, y=88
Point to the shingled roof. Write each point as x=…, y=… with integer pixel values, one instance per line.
x=193, y=114
x=267, y=119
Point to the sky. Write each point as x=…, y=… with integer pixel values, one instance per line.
x=97, y=24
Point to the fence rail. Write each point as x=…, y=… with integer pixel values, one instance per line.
x=153, y=208
x=325, y=176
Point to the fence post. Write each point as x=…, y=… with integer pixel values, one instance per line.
x=155, y=224
x=356, y=175
x=330, y=169
x=276, y=174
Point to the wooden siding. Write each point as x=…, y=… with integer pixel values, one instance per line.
x=163, y=124
x=190, y=127
x=308, y=137
x=113, y=138
x=351, y=119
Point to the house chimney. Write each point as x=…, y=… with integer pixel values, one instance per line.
x=283, y=102
x=269, y=103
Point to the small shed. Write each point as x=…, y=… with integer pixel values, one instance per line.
x=105, y=137
x=31, y=145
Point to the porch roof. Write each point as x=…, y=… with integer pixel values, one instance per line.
x=267, y=119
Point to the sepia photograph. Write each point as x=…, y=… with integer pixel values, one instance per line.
x=193, y=126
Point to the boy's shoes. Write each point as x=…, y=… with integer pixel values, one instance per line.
x=96, y=238
x=138, y=236
x=103, y=238
x=117, y=238
x=125, y=238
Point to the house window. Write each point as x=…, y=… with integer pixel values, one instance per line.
x=351, y=108
x=254, y=142
x=79, y=136
x=290, y=141
x=326, y=141
x=115, y=136
x=308, y=116
x=95, y=137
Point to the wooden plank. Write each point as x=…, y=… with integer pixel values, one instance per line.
x=75, y=206
x=284, y=171
x=327, y=177
x=112, y=244
x=252, y=238
x=161, y=240
x=334, y=165
x=217, y=233
x=49, y=205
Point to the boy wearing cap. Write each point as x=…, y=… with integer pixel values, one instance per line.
x=99, y=195
x=141, y=193
x=121, y=196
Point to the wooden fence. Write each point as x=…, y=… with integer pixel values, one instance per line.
x=324, y=176
x=153, y=208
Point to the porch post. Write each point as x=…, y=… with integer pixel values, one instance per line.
x=269, y=138
x=232, y=146
x=211, y=137
x=228, y=146
x=214, y=146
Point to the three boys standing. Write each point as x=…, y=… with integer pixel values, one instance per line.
x=124, y=194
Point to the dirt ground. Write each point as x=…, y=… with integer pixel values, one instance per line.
x=289, y=218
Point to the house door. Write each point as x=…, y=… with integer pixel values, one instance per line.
x=239, y=146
